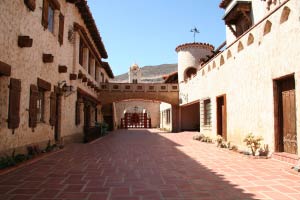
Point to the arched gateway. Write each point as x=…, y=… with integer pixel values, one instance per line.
x=168, y=93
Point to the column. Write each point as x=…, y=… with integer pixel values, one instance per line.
x=176, y=121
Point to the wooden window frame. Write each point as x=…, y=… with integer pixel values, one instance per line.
x=207, y=112
x=41, y=106
x=81, y=51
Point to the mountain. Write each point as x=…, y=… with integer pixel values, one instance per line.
x=150, y=74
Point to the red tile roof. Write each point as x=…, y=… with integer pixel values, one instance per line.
x=195, y=44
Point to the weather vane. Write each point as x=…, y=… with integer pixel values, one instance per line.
x=195, y=30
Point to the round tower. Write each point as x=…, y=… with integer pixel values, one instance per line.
x=190, y=55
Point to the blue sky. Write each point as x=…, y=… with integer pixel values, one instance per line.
x=148, y=31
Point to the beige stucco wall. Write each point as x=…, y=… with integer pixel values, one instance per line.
x=151, y=106
x=27, y=65
x=247, y=78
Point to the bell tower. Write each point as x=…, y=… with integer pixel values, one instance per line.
x=134, y=74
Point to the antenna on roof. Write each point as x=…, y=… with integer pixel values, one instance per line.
x=195, y=31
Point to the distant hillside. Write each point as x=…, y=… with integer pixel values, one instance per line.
x=150, y=74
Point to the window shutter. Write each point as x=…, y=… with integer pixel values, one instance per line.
x=45, y=14
x=61, y=29
x=34, y=93
x=14, y=103
x=52, y=109
x=77, y=114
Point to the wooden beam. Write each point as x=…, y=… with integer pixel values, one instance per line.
x=25, y=41
x=80, y=75
x=5, y=69
x=48, y=58
x=232, y=30
x=73, y=76
x=62, y=69
x=30, y=4
x=44, y=84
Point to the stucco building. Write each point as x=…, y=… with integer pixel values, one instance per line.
x=50, y=70
x=252, y=84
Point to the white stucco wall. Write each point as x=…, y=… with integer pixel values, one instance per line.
x=247, y=78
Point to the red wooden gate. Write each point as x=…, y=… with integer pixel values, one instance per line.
x=136, y=120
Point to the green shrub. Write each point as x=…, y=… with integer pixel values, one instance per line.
x=233, y=148
x=8, y=161
x=206, y=139
x=104, y=128
x=264, y=151
x=198, y=137
x=222, y=143
x=253, y=142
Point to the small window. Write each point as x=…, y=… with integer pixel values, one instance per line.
x=207, y=112
x=134, y=81
x=50, y=19
x=191, y=71
x=41, y=106
x=81, y=47
x=168, y=121
x=90, y=63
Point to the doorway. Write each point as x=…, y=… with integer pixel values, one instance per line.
x=285, y=115
x=221, y=116
x=57, y=117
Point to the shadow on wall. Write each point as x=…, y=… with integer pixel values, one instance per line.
x=147, y=164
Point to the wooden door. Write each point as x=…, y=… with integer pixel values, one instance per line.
x=289, y=134
x=221, y=116
x=58, y=118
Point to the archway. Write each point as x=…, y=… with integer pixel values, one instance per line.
x=189, y=72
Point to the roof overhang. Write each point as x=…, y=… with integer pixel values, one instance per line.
x=236, y=10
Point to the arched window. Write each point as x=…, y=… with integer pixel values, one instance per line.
x=222, y=60
x=240, y=46
x=285, y=14
x=268, y=27
x=190, y=72
x=229, y=54
x=250, y=39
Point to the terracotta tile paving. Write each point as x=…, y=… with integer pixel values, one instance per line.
x=149, y=165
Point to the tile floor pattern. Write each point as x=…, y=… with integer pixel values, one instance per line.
x=144, y=165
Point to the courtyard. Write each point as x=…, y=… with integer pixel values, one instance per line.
x=144, y=164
